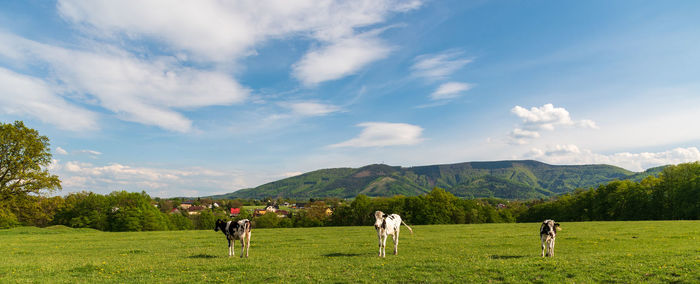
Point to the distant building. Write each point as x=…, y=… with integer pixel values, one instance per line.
x=259, y=212
x=235, y=212
x=195, y=210
x=282, y=213
x=186, y=205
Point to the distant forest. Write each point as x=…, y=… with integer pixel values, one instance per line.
x=673, y=195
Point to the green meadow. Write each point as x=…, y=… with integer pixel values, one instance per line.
x=626, y=252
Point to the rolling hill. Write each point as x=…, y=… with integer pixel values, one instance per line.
x=519, y=179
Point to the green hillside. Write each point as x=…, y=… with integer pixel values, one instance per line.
x=524, y=179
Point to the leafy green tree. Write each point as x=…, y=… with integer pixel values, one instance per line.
x=180, y=222
x=268, y=220
x=83, y=210
x=7, y=218
x=24, y=158
x=362, y=209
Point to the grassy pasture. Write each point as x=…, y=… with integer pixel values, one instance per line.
x=629, y=252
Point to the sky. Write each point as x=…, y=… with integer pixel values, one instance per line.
x=195, y=98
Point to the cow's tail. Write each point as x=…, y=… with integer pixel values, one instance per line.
x=409, y=228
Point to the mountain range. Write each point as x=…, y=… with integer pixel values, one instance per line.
x=517, y=179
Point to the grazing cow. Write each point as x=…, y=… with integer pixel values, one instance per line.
x=388, y=225
x=235, y=231
x=548, y=233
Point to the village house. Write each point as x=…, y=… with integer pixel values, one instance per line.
x=186, y=205
x=195, y=210
x=259, y=212
x=235, y=212
x=282, y=213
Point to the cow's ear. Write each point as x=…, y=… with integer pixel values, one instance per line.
x=385, y=216
x=556, y=224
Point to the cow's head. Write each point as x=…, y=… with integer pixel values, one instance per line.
x=550, y=228
x=379, y=217
x=220, y=224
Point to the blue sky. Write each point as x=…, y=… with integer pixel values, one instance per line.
x=207, y=97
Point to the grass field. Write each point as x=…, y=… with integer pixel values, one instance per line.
x=628, y=252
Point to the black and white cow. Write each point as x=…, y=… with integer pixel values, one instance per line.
x=548, y=234
x=235, y=231
x=388, y=225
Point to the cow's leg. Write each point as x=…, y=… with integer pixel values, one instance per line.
x=396, y=242
x=229, y=247
x=543, y=246
x=551, y=249
x=247, y=247
x=242, y=244
x=379, y=238
x=386, y=236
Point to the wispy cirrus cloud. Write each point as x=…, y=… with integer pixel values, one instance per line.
x=149, y=68
x=89, y=152
x=340, y=58
x=31, y=97
x=438, y=66
x=223, y=31
x=546, y=117
x=381, y=134
x=450, y=90
x=135, y=89
x=311, y=108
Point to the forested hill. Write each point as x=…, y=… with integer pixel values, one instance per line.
x=521, y=179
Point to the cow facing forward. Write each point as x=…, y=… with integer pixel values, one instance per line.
x=548, y=234
x=235, y=231
x=388, y=225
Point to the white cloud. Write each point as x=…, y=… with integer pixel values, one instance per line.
x=61, y=151
x=222, y=31
x=164, y=182
x=137, y=90
x=520, y=133
x=450, y=90
x=339, y=59
x=90, y=152
x=546, y=117
x=571, y=154
x=26, y=96
x=311, y=108
x=562, y=150
x=380, y=134
x=438, y=66
x=292, y=174
x=520, y=136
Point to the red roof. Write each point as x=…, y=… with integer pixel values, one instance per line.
x=196, y=208
x=235, y=210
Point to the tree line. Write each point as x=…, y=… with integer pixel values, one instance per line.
x=25, y=181
x=673, y=195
